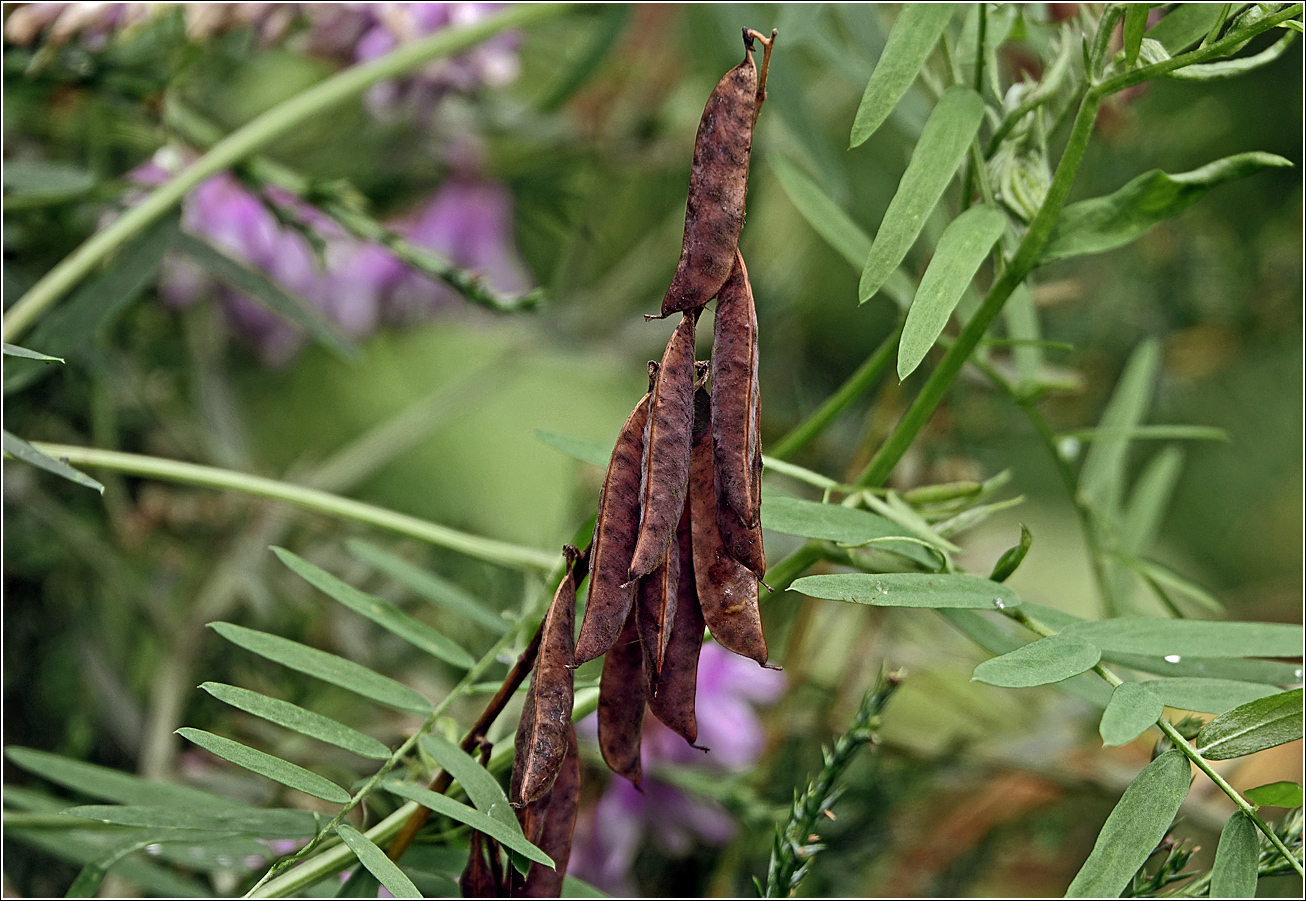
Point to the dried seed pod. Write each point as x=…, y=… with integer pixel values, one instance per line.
x=734, y=394
x=621, y=703
x=672, y=690
x=665, y=473
x=541, y=741
x=655, y=608
x=482, y=878
x=727, y=591
x=549, y=823
x=742, y=543
x=615, y=531
x=718, y=183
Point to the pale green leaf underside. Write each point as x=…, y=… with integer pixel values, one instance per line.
x=1200, y=638
x=240, y=821
x=273, y=768
x=383, y=613
x=1040, y=662
x=327, y=667
x=1133, y=709
x=910, y=44
x=909, y=590
x=1231, y=68
x=1132, y=831
x=374, y=859
x=296, y=718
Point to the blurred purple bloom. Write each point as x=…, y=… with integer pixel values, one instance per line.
x=609, y=835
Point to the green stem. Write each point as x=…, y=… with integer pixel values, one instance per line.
x=781, y=575
x=251, y=137
x=502, y=553
x=866, y=375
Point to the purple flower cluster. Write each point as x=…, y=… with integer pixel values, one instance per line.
x=609, y=835
x=357, y=284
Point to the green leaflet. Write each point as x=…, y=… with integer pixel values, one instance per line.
x=1104, y=223
x=90, y=847
x=491, y=826
x=835, y=226
x=383, y=868
x=296, y=718
x=1038, y=663
x=1150, y=498
x=274, y=768
x=33, y=182
x=1012, y=557
x=1276, y=794
x=910, y=43
x=383, y=613
x=587, y=450
x=1184, y=26
x=114, y=785
x=257, y=286
x=69, y=327
x=17, y=447
x=13, y=350
x=1253, y=727
x=1207, y=695
x=328, y=667
x=1234, y=872
x=429, y=586
x=909, y=590
x=962, y=249
x=1231, y=68
x=1180, y=638
x=1135, y=26
x=242, y=821
x=1132, y=831
x=844, y=525
x=1133, y=709
x=1101, y=480
x=482, y=788
x=1168, y=578
x=951, y=127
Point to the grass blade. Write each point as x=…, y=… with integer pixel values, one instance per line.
x=910, y=44
x=909, y=590
x=429, y=586
x=383, y=868
x=951, y=127
x=274, y=768
x=327, y=667
x=20, y=449
x=383, y=613
x=962, y=249
x=296, y=718
x=1134, y=828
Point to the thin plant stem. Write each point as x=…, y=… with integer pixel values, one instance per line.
x=866, y=375
x=282, y=119
x=488, y=549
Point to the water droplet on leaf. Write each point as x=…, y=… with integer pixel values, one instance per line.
x=1172, y=658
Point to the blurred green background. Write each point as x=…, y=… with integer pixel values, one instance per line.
x=977, y=790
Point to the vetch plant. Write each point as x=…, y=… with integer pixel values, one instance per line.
x=676, y=547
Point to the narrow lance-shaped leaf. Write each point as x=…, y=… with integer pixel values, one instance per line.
x=1181, y=638
x=429, y=586
x=961, y=250
x=482, y=788
x=1039, y=663
x=909, y=590
x=1231, y=68
x=305, y=722
x=1104, y=223
x=910, y=43
x=1207, y=695
x=446, y=806
x=327, y=667
x=1234, y=873
x=113, y=785
x=383, y=868
x=1101, y=479
x=383, y=613
x=17, y=447
x=1021, y=317
x=941, y=148
x=1184, y=25
x=1149, y=500
x=1133, y=709
x=847, y=526
x=835, y=226
x=1135, y=26
x=1253, y=727
x=1132, y=831
x=1012, y=557
x=274, y=768
x=239, y=820
x=267, y=293
x=13, y=350
x=587, y=450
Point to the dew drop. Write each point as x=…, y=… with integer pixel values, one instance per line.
x=1172, y=658
x=154, y=849
x=1068, y=448
x=999, y=603
x=1296, y=674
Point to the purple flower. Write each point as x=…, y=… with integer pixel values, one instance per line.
x=609, y=835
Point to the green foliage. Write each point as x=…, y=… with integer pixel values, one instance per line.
x=1235, y=870
x=910, y=44
x=1039, y=663
x=910, y=590
x=1255, y=726
x=1133, y=709
x=380, y=866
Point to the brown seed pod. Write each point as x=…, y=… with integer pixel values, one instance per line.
x=615, y=531
x=482, y=878
x=718, y=183
x=672, y=690
x=621, y=703
x=541, y=741
x=734, y=394
x=655, y=608
x=727, y=591
x=549, y=824
x=665, y=472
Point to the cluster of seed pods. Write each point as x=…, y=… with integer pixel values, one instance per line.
x=678, y=541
